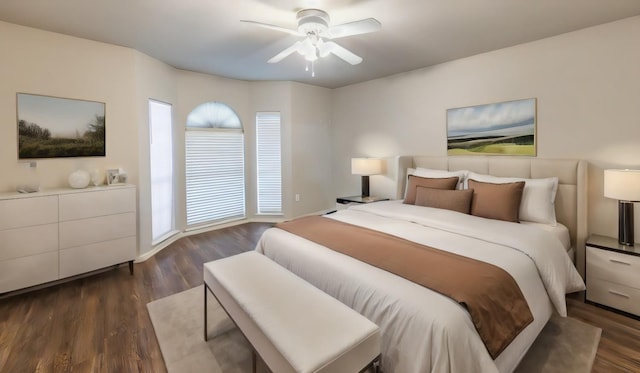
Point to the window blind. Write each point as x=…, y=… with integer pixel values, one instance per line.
x=161, y=169
x=214, y=176
x=269, y=164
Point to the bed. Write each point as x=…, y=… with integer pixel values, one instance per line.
x=422, y=330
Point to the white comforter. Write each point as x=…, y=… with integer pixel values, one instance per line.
x=424, y=331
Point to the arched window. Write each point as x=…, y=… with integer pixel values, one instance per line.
x=214, y=145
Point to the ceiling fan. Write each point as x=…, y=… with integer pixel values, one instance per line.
x=313, y=25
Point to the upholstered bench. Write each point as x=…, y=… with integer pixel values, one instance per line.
x=291, y=324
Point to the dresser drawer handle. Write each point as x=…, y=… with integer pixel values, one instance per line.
x=619, y=262
x=619, y=294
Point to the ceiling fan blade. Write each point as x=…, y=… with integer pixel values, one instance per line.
x=345, y=54
x=362, y=26
x=273, y=27
x=296, y=47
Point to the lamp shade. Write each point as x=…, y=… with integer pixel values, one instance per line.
x=366, y=166
x=623, y=185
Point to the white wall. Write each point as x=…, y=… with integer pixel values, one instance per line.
x=306, y=143
x=194, y=89
x=586, y=83
x=47, y=63
x=273, y=96
x=186, y=90
x=41, y=62
x=154, y=80
x=312, y=150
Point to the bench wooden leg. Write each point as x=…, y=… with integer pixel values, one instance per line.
x=253, y=360
x=376, y=365
x=373, y=366
x=206, y=337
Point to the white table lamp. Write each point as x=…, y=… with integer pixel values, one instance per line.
x=623, y=185
x=366, y=167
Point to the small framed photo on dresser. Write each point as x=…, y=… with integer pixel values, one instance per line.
x=114, y=177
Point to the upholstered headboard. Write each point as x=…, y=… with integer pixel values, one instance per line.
x=571, y=198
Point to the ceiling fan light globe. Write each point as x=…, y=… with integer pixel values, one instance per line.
x=313, y=24
x=323, y=51
x=307, y=48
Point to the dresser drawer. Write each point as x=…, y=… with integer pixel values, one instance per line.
x=26, y=212
x=613, y=267
x=99, y=255
x=94, y=230
x=20, y=242
x=28, y=271
x=98, y=203
x=614, y=295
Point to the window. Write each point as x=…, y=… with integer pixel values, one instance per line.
x=161, y=170
x=268, y=160
x=214, y=145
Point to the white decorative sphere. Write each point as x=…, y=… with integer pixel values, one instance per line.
x=79, y=179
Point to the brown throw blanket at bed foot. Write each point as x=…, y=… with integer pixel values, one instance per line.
x=497, y=307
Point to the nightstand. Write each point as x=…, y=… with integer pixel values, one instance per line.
x=613, y=274
x=344, y=202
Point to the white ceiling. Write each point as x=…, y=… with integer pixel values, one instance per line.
x=206, y=35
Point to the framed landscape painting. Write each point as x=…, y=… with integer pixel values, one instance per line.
x=505, y=128
x=51, y=127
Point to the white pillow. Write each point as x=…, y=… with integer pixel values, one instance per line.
x=538, y=197
x=439, y=174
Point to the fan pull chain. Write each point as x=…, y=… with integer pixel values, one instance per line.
x=313, y=70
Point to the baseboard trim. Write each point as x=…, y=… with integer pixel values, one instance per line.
x=156, y=249
x=258, y=219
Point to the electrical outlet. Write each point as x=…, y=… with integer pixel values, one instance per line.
x=297, y=198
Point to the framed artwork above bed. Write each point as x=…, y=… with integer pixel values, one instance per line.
x=503, y=128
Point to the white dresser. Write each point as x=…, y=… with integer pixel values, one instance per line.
x=55, y=234
x=613, y=274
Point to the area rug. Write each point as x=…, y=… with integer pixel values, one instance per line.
x=565, y=345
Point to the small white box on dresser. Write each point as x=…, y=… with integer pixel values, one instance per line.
x=50, y=235
x=613, y=274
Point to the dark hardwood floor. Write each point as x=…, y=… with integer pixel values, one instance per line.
x=619, y=349
x=100, y=323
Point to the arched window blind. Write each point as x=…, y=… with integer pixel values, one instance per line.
x=214, y=146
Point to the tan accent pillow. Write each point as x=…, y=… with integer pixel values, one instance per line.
x=456, y=200
x=435, y=183
x=496, y=201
